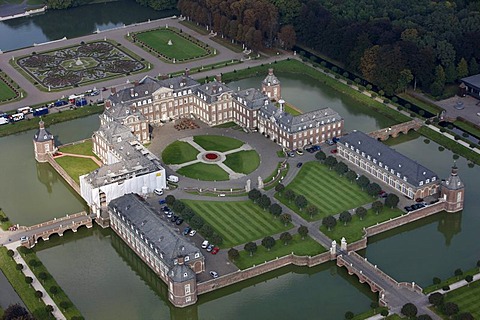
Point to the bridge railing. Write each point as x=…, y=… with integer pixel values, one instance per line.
x=56, y=220
x=373, y=267
x=359, y=272
x=65, y=227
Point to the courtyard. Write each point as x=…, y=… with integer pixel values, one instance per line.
x=78, y=65
x=171, y=44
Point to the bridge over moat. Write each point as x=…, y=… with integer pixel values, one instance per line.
x=56, y=226
x=394, y=131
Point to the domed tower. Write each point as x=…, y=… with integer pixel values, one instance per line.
x=271, y=86
x=43, y=143
x=452, y=190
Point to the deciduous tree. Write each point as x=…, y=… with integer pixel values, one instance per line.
x=233, y=254
x=391, y=201
x=361, y=212
x=275, y=209
x=251, y=247
x=303, y=231
x=377, y=206
x=268, y=242
x=345, y=217
x=329, y=222
x=320, y=156
x=409, y=310
x=286, y=218
x=286, y=237
x=301, y=202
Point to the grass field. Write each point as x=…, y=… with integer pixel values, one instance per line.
x=306, y=247
x=422, y=104
x=325, y=189
x=179, y=152
x=6, y=224
x=450, y=280
x=237, y=222
x=76, y=167
x=6, y=93
x=217, y=143
x=72, y=310
x=181, y=48
x=467, y=299
x=204, y=171
x=84, y=148
x=24, y=290
x=353, y=231
x=467, y=126
x=243, y=161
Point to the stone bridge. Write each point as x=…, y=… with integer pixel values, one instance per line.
x=56, y=226
x=394, y=131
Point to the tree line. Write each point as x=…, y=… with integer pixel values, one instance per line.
x=154, y=4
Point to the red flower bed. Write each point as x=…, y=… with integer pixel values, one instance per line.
x=211, y=156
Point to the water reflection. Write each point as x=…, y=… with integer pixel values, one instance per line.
x=449, y=225
x=46, y=176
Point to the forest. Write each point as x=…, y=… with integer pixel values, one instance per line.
x=154, y=4
x=391, y=43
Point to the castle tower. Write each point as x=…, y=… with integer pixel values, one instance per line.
x=182, y=284
x=43, y=143
x=452, y=191
x=271, y=86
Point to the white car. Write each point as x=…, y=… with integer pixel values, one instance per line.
x=192, y=233
x=24, y=239
x=205, y=244
x=214, y=274
x=158, y=192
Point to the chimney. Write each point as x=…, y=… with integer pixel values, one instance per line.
x=187, y=72
x=218, y=77
x=281, y=102
x=113, y=90
x=108, y=104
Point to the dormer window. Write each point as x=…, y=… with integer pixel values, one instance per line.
x=185, y=275
x=197, y=255
x=420, y=183
x=434, y=178
x=427, y=181
x=187, y=258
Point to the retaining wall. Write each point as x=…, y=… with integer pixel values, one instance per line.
x=241, y=275
x=64, y=174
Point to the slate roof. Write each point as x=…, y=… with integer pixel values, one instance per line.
x=453, y=182
x=210, y=92
x=271, y=79
x=472, y=80
x=167, y=242
x=412, y=170
x=42, y=134
x=251, y=98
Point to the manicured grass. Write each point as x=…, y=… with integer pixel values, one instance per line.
x=192, y=25
x=230, y=124
x=369, y=313
x=305, y=247
x=179, y=152
x=295, y=66
x=24, y=290
x=467, y=299
x=450, y=280
x=49, y=119
x=5, y=224
x=237, y=222
x=75, y=167
x=217, y=143
x=84, y=148
x=353, y=231
x=72, y=310
x=325, y=189
x=6, y=93
x=294, y=111
x=422, y=104
x=468, y=127
x=181, y=48
x=204, y=171
x=243, y=161
x=450, y=144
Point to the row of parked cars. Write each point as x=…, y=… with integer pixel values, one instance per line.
x=173, y=218
x=415, y=206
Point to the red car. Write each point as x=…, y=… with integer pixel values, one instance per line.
x=215, y=250
x=333, y=151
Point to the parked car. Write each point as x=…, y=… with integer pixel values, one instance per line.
x=333, y=151
x=24, y=239
x=186, y=231
x=205, y=244
x=169, y=214
x=408, y=208
x=165, y=209
x=162, y=201
x=214, y=274
x=192, y=233
x=299, y=165
x=215, y=250
x=300, y=152
x=174, y=219
x=310, y=150
x=329, y=142
x=316, y=148
x=179, y=221
x=210, y=247
x=291, y=154
x=335, y=139
x=158, y=192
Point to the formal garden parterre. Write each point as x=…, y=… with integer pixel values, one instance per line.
x=9, y=90
x=171, y=44
x=78, y=65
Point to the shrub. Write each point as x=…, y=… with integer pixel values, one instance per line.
x=374, y=95
x=395, y=99
x=369, y=86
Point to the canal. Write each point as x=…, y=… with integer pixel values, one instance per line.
x=106, y=280
x=74, y=22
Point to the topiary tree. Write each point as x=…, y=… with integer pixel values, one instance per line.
x=254, y=195
x=329, y=222
x=275, y=209
x=320, y=156
x=409, y=310
x=363, y=182
x=345, y=217
x=312, y=210
x=458, y=273
x=268, y=242
x=361, y=212
x=19, y=266
x=392, y=200
x=43, y=276
x=377, y=206
x=64, y=305
x=303, y=231
x=233, y=254
x=264, y=202
x=49, y=308
x=10, y=253
x=341, y=168
x=251, y=247
x=373, y=189
x=187, y=213
x=301, y=202
x=53, y=290
x=351, y=176
x=469, y=278
x=436, y=280
x=330, y=162
x=206, y=230
x=279, y=188
x=384, y=313
x=196, y=222
x=178, y=206
x=286, y=218
x=28, y=280
x=450, y=308
x=436, y=299
x=169, y=199
x=349, y=315
x=38, y=294
x=286, y=237
x=289, y=195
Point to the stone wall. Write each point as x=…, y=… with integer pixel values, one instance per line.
x=241, y=275
x=357, y=245
x=394, y=131
x=64, y=174
x=406, y=218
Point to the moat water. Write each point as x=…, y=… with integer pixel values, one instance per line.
x=110, y=282
x=74, y=22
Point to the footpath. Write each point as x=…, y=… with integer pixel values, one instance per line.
x=35, y=284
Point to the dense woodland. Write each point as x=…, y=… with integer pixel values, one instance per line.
x=392, y=43
x=154, y=4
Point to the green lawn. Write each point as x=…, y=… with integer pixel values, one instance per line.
x=467, y=299
x=243, y=161
x=24, y=290
x=180, y=50
x=353, y=231
x=6, y=224
x=217, y=143
x=204, y=171
x=72, y=310
x=179, y=152
x=84, y=148
x=469, y=127
x=75, y=167
x=306, y=247
x=325, y=189
x=450, y=280
x=6, y=93
x=237, y=222
x=422, y=104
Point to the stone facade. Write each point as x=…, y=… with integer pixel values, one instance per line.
x=271, y=86
x=43, y=143
x=453, y=192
